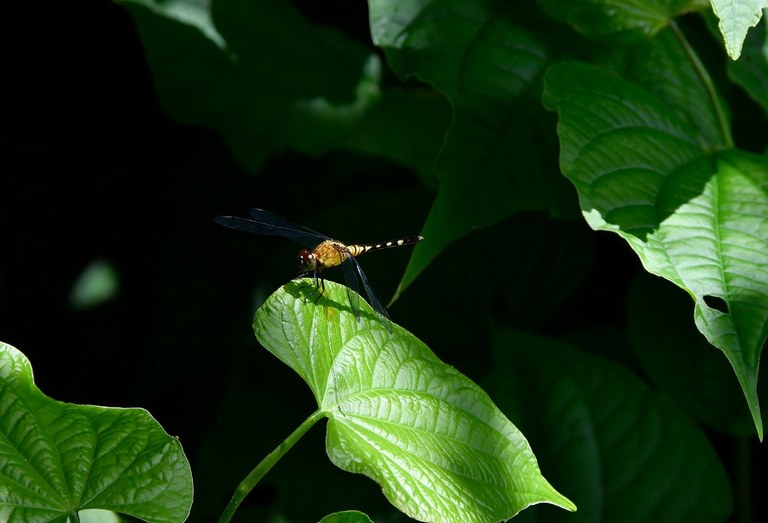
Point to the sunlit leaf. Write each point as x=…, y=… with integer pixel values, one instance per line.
x=735, y=20
x=58, y=458
x=695, y=217
x=431, y=438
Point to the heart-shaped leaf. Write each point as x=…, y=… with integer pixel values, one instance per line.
x=57, y=458
x=433, y=440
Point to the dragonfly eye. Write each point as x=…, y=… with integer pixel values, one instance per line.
x=305, y=259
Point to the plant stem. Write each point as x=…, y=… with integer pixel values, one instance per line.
x=725, y=131
x=252, y=479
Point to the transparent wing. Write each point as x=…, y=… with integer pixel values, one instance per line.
x=350, y=277
x=372, y=299
x=268, y=224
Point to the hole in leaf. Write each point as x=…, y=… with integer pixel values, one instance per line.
x=717, y=303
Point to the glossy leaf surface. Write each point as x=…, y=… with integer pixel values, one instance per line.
x=433, y=440
x=58, y=458
x=694, y=216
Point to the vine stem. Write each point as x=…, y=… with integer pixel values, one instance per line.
x=701, y=71
x=253, y=478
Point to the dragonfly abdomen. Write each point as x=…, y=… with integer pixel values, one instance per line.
x=357, y=250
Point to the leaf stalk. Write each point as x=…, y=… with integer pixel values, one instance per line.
x=253, y=478
x=722, y=120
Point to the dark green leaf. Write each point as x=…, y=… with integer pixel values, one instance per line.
x=696, y=218
x=624, y=22
x=58, y=458
x=494, y=161
x=624, y=452
x=399, y=415
x=678, y=359
x=751, y=69
x=267, y=80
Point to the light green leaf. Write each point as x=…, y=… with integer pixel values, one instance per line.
x=98, y=515
x=57, y=458
x=736, y=17
x=348, y=516
x=612, y=21
x=621, y=450
x=495, y=160
x=431, y=438
x=697, y=218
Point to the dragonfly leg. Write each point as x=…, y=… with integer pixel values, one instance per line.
x=318, y=285
x=319, y=288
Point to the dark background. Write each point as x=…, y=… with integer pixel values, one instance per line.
x=96, y=170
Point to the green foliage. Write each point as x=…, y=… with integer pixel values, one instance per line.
x=735, y=20
x=694, y=217
x=350, y=516
x=507, y=130
x=57, y=458
x=586, y=416
x=399, y=415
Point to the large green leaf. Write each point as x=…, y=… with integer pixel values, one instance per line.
x=662, y=66
x=619, y=21
x=496, y=157
x=431, y=438
x=621, y=450
x=268, y=80
x=678, y=359
x=735, y=20
x=698, y=218
x=57, y=458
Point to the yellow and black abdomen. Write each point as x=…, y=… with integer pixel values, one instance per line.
x=357, y=250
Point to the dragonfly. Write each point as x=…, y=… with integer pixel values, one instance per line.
x=322, y=252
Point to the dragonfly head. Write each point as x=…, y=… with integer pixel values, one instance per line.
x=306, y=260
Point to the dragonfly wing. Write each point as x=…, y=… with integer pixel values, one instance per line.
x=273, y=220
x=283, y=228
x=351, y=279
x=374, y=301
